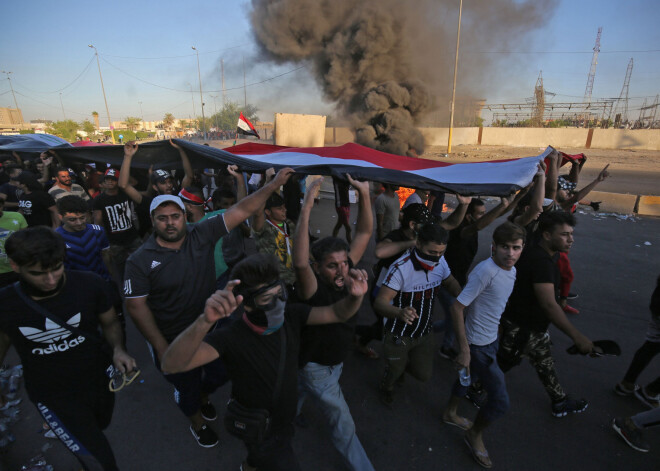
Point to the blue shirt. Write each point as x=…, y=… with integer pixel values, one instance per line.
x=83, y=249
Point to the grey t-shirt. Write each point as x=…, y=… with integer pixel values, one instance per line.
x=389, y=208
x=485, y=295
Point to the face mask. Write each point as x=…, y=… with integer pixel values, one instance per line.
x=427, y=259
x=268, y=318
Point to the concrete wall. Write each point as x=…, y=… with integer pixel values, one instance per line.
x=338, y=135
x=640, y=139
x=299, y=130
x=534, y=137
x=460, y=136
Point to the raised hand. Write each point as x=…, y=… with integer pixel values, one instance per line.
x=130, y=149
x=357, y=282
x=361, y=187
x=282, y=176
x=311, y=191
x=603, y=174
x=463, y=199
x=222, y=303
x=233, y=171
x=174, y=144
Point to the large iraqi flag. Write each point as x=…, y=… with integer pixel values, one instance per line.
x=497, y=178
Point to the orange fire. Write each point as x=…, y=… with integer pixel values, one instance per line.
x=404, y=193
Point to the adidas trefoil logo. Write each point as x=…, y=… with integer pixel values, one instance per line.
x=154, y=264
x=53, y=334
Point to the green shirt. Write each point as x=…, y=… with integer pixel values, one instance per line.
x=10, y=222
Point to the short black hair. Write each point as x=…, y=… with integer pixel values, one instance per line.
x=30, y=181
x=274, y=201
x=255, y=270
x=71, y=204
x=221, y=193
x=415, y=212
x=322, y=248
x=551, y=219
x=474, y=203
x=61, y=169
x=508, y=232
x=36, y=245
x=433, y=232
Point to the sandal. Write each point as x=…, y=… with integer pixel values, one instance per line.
x=463, y=423
x=480, y=457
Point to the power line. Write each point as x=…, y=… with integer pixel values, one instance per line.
x=49, y=105
x=562, y=52
x=172, y=57
x=66, y=86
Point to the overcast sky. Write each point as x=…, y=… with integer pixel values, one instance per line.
x=146, y=57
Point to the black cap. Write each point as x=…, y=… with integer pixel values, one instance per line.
x=416, y=212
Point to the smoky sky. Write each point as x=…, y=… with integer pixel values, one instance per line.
x=388, y=64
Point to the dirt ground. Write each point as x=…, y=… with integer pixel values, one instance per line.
x=639, y=160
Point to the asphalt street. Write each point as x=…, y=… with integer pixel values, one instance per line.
x=616, y=265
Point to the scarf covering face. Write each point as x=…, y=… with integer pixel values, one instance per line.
x=268, y=318
x=427, y=262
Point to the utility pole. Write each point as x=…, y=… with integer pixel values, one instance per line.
x=14, y=95
x=592, y=70
x=201, y=98
x=215, y=111
x=192, y=98
x=61, y=103
x=453, y=92
x=112, y=133
x=141, y=114
x=224, y=90
x=245, y=86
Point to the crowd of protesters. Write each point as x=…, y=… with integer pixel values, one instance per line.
x=220, y=274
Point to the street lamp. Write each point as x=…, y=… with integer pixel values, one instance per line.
x=453, y=93
x=112, y=133
x=201, y=99
x=192, y=99
x=14, y=95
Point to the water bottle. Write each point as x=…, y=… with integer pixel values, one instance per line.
x=464, y=377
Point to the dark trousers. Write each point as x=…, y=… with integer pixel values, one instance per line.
x=641, y=360
x=78, y=419
x=274, y=454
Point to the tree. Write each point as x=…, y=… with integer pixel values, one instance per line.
x=67, y=129
x=95, y=115
x=168, y=121
x=132, y=123
x=227, y=118
x=88, y=127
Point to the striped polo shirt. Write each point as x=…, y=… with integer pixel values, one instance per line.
x=83, y=249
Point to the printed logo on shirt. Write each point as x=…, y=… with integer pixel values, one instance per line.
x=127, y=287
x=154, y=264
x=53, y=334
x=119, y=216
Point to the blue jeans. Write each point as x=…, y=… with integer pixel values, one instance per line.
x=321, y=384
x=484, y=367
x=446, y=300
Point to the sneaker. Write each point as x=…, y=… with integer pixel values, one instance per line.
x=447, y=353
x=630, y=433
x=568, y=406
x=205, y=436
x=386, y=397
x=208, y=412
x=572, y=296
x=651, y=401
x=570, y=310
x=621, y=390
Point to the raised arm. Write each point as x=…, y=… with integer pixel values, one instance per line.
x=305, y=278
x=485, y=220
x=255, y=202
x=113, y=334
x=185, y=162
x=365, y=221
x=348, y=306
x=456, y=217
x=130, y=149
x=574, y=174
x=587, y=189
x=386, y=248
x=241, y=190
x=188, y=350
x=554, y=162
x=536, y=204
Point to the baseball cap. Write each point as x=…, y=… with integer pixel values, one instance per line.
x=160, y=175
x=162, y=199
x=111, y=173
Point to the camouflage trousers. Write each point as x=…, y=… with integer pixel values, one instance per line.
x=517, y=342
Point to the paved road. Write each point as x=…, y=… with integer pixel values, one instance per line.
x=635, y=182
x=615, y=274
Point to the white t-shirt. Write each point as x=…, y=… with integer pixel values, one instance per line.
x=485, y=295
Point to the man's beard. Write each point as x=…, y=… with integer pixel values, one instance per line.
x=170, y=237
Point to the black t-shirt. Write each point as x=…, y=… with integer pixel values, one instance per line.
x=397, y=235
x=535, y=266
x=177, y=283
x=35, y=208
x=341, y=192
x=252, y=362
x=330, y=343
x=12, y=192
x=117, y=211
x=55, y=360
x=461, y=251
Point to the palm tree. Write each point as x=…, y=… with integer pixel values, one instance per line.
x=168, y=121
x=132, y=122
x=95, y=114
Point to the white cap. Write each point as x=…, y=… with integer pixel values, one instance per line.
x=162, y=199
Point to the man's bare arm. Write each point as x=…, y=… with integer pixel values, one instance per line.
x=305, y=278
x=130, y=149
x=146, y=324
x=456, y=217
x=365, y=221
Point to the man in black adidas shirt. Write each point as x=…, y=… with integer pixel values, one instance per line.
x=251, y=348
x=167, y=281
x=324, y=348
x=64, y=370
